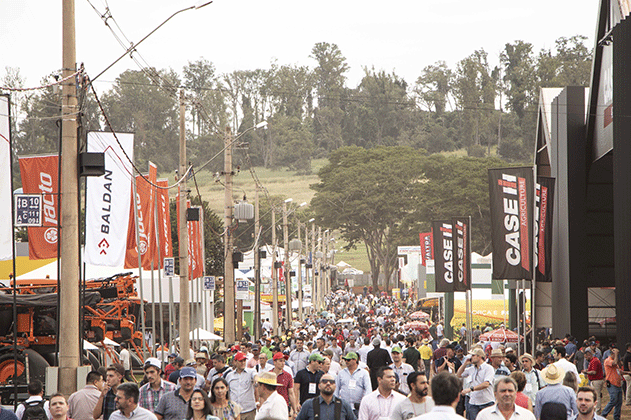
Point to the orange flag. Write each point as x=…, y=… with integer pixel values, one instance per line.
x=163, y=221
x=145, y=196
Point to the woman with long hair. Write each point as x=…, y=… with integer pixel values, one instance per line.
x=199, y=407
x=220, y=404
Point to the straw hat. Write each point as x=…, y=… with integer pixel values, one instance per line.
x=527, y=356
x=267, y=378
x=553, y=374
x=497, y=353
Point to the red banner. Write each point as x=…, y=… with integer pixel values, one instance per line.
x=427, y=249
x=195, y=268
x=39, y=176
x=163, y=221
x=145, y=196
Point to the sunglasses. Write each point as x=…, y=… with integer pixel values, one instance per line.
x=327, y=381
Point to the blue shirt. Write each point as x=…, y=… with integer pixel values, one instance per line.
x=345, y=390
x=327, y=411
x=560, y=394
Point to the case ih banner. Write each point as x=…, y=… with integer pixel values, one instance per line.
x=427, y=248
x=462, y=253
x=145, y=205
x=511, y=193
x=6, y=211
x=443, y=255
x=40, y=176
x=544, y=203
x=108, y=200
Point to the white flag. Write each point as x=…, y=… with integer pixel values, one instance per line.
x=6, y=238
x=108, y=200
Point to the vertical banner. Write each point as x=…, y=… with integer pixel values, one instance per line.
x=427, y=248
x=443, y=255
x=108, y=200
x=40, y=176
x=511, y=194
x=462, y=254
x=163, y=220
x=145, y=196
x=544, y=205
x=196, y=268
x=6, y=195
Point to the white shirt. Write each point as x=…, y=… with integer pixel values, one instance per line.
x=274, y=408
x=440, y=412
x=485, y=373
x=493, y=413
x=568, y=367
x=125, y=357
x=20, y=410
x=375, y=406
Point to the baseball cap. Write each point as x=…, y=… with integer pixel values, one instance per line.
x=396, y=349
x=118, y=368
x=188, y=372
x=173, y=355
x=239, y=356
x=351, y=355
x=376, y=341
x=278, y=356
x=153, y=361
x=316, y=357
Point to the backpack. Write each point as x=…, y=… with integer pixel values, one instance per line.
x=34, y=410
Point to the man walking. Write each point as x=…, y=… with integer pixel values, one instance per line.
x=300, y=356
x=481, y=376
x=273, y=406
x=150, y=393
x=174, y=405
x=376, y=359
x=307, y=379
x=401, y=369
x=106, y=404
x=614, y=384
x=555, y=391
x=626, y=368
x=81, y=404
x=241, y=384
x=379, y=403
x=326, y=404
x=58, y=407
x=594, y=373
x=586, y=403
x=127, y=404
x=352, y=384
x=446, y=391
x=505, y=408
x=417, y=402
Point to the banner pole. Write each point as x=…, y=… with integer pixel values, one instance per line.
x=140, y=288
x=533, y=283
x=171, y=318
x=470, y=290
x=153, y=311
x=160, y=309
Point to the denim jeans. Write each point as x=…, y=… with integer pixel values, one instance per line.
x=473, y=410
x=615, y=402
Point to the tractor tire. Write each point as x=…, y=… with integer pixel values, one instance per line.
x=37, y=365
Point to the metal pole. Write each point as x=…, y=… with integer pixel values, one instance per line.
x=274, y=276
x=299, y=276
x=257, y=269
x=171, y=316
x=287, y=269
x=136, y=203
x=319, y=279
x=229, y=301
x=154, y=333
x=69, y=354
x=313, y=268
x=160, y=309
x=185, y=314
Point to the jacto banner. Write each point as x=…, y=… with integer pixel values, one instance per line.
x=544, y=205
x=108, y=200
x=511, y=195
x=6, y=234
x=40, y=176
x=427, y=247
x=144, y=213
x=443, y=255
x=163, y=222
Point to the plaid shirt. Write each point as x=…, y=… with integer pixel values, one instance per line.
x=109, y=404
x=149, y=398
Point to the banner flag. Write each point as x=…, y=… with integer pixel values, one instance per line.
x=108, y=200
x=511, y=194
x=427, y=248
x=163, y=221
x=195, y=267
x=462, y=255
x=544, y=203
x=40, y=176
x=6, y=195
x=443, y=255
x=145, y=196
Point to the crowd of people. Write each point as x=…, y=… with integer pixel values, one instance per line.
x=358, y=361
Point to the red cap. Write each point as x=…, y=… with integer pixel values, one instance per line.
x=278, y=355
x=236, y=347
x=239, y=356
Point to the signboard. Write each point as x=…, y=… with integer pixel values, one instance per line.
x=243, y=289
x=28, y=210
x=406, y=250
x=209, y=283
x=169, y=267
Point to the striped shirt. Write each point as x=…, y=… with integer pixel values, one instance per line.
x=149, y=398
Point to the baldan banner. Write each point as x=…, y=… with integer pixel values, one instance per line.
x=462, y=253
x=6, y=228
x=511, y=194
x=544, y=201
x=108, y=200
x=40, y=176
x=145, y=204
x=443, y=255
x=427, y=248
x=163, y=222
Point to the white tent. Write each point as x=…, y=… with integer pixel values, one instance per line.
x=202, y=334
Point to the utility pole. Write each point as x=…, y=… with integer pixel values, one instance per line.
x=287, y=270
x=299, y=276
x=313, y=268
x=274, y=276
x=257, y=269
x=185, y=309
x=319, y=279
x=69, y=353
x=228, y=279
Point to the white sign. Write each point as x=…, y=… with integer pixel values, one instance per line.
x=169, y=266
x=6, y=230
x=243, y=288
x=28, y=210
x=209, y=282
x=405, y=250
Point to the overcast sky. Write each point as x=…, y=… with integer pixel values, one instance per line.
x=398, y=35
